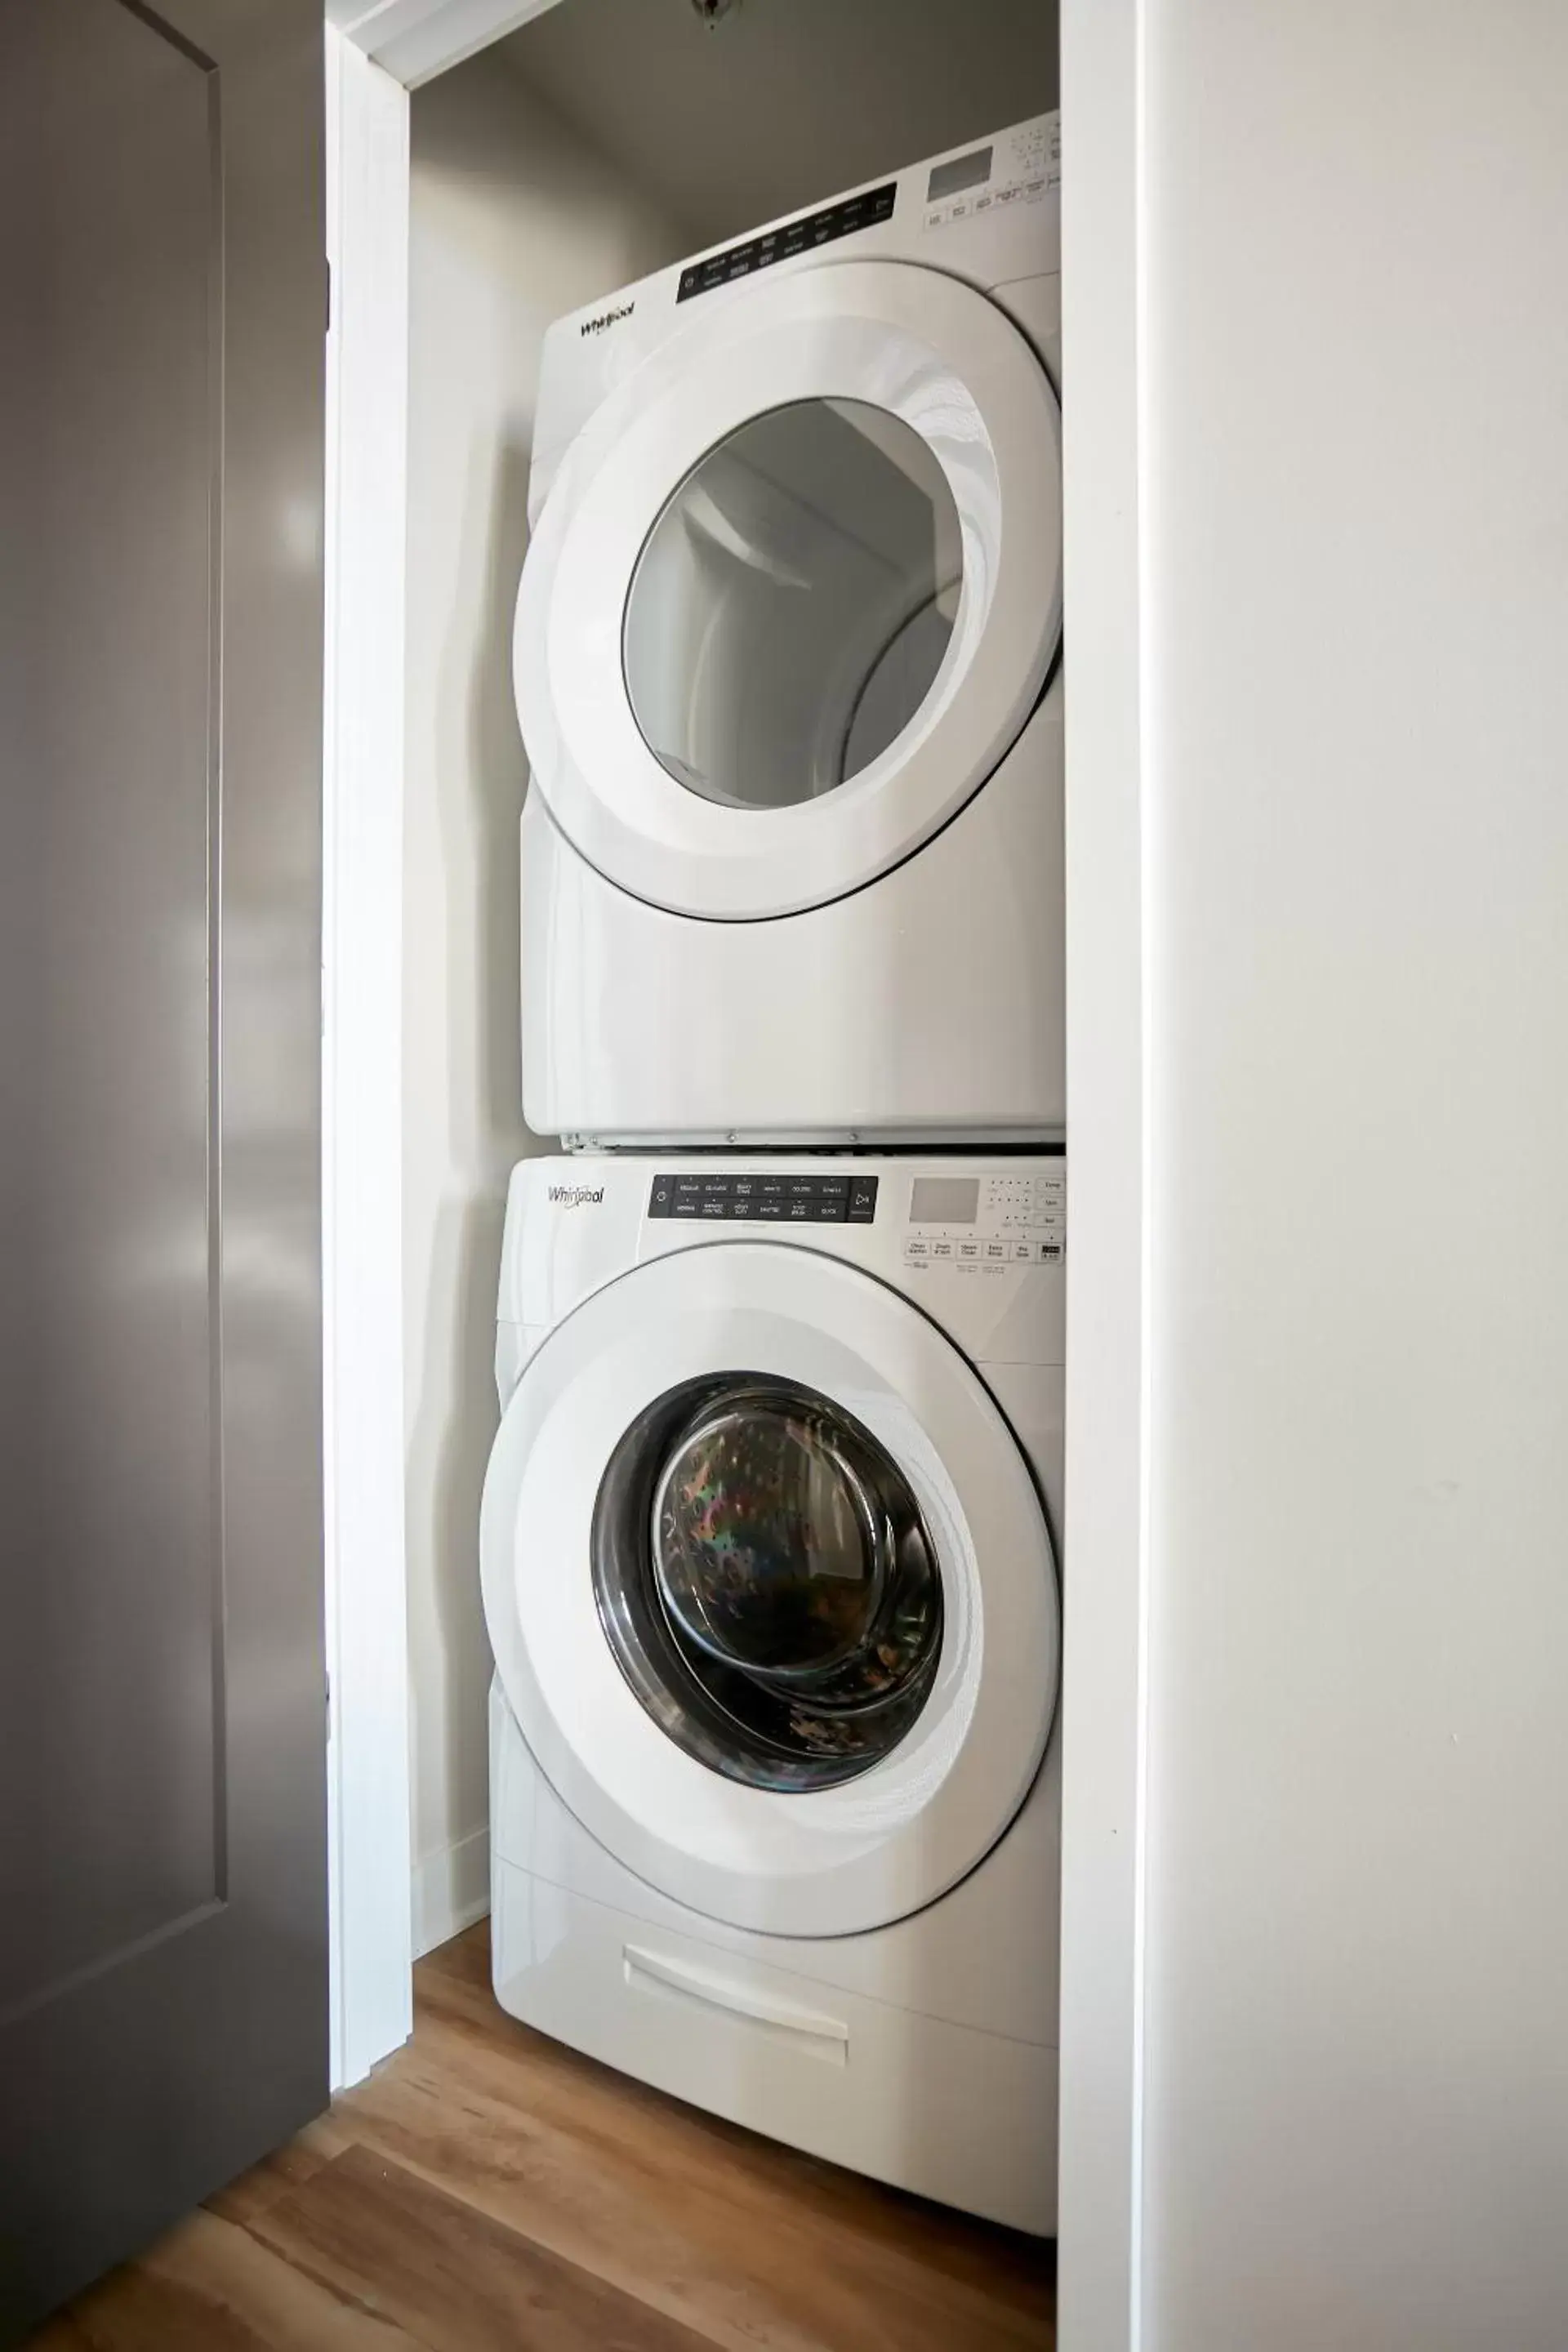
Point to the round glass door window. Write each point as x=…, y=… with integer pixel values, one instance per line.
x=792, y=605
x=766, y=1583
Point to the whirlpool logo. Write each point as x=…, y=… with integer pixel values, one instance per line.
x=606, y=318
x=577, y=1196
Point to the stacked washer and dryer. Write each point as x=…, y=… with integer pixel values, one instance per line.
x=769, y=1531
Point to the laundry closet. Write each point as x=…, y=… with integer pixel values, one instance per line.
x=603, y=142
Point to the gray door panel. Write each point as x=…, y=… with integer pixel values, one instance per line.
x=163, y=1884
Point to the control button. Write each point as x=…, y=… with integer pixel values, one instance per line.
x=969, y=1251
x=829, y=1213
x=1023, y=1249
x=862, y=1200
x=800, y=1188
x=716, y=1188
x=771, y=1209
x=715, y=1206
x=662, y=1197
x=688, y=1208
x=1050, y=1253
x=831, y=1188
x=917, y=1249
x=771, y=1188
x=798, y=1212
x=689, y=1188
x=996, y=1253
x=941, y=1249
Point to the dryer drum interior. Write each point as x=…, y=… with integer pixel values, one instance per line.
x=766, y=1581
x=794, y=603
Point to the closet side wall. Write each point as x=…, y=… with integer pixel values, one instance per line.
x=514, y=221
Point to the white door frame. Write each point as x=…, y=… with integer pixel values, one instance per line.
x=415, y=40
x=375, y=51
x=361, y=1058
x=401, y=43
x=1105, y=1538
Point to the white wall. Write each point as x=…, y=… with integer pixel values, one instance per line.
x=1356, y=637
x=514, y=221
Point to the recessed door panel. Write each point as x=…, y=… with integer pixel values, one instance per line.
x=162, y=1962
x=111, y=1491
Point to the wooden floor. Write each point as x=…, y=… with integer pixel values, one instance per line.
x=488, y=2191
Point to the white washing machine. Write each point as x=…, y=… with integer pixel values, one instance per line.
x=787, y=667
x=769, y=1573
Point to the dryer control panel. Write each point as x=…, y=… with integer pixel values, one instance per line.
x=837, y=1197
x=1016, y=1217
x=1017, y=167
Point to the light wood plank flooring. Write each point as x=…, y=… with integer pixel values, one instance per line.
x=490, y=2191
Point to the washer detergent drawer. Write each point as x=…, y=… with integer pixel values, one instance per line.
x=966, y=2117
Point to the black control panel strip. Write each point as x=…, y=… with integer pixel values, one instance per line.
x=841, y=1200
x=863, y=211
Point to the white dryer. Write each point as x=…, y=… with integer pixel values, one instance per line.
x=786, y=658
x=769, y=1573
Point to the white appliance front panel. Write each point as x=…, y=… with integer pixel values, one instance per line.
x=985, y=1957
x=1000, y=229
x=929, y=1005
x=831, y=1861
x=967, y=2118
x=574, y=1223
x=703, y=795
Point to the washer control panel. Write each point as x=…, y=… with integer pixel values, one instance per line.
x=842, y=1197
x=989, y=1222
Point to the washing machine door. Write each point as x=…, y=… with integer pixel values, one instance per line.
x=771, y=1590
x=795, y=591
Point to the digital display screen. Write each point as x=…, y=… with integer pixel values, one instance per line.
x=963, y=172
x=945, y=1199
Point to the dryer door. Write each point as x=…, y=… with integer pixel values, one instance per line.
x=771, y=1590
x=795, y=590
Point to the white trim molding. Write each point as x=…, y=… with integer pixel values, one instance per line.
x=451, y=1890
x=415, y=40
x=367, y=1637
x=1106, y=1546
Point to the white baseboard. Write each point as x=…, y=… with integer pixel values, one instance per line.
x=451, y=1890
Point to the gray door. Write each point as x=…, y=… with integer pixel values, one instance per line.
x=162, y=1882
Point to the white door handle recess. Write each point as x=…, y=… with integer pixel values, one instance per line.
x=826, y=2037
